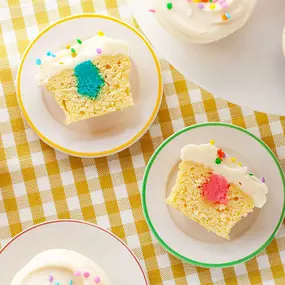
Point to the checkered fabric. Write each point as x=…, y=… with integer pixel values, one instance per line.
x=38, y=183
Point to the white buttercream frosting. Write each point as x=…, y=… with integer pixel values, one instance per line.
x=206, y=154
x=87, y=50
x=60, y=265
x=186, y=20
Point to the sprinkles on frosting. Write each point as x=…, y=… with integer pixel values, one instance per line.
x=97, y=279
x=221, y=155
x=202, y=4
x=72, y=50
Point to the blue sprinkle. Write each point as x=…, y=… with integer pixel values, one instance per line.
x=57, y=283
x=229, y=16
x=70, y=282
x=49, y=53
x=53, y=55
x=38, y=61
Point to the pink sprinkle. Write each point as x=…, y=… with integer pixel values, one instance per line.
x=98, y=50
x=151, y=10
x=97, y=279
x=86, y=274
x=77, y=273
x=50, y=278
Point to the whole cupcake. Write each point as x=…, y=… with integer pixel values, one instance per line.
x=202, y=21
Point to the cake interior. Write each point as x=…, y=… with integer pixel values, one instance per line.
x=186, y=196
x=115, y=92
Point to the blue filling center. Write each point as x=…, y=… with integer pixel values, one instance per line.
x=89, y=79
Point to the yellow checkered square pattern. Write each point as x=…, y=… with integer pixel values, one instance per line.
x=38, y=183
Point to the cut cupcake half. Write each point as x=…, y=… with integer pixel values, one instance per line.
x=88, y=79
x=214, y=190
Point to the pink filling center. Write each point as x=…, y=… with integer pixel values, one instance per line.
x=216, y=189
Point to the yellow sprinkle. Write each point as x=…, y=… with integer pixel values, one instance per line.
x=74, y=54
x=224, y=17
x=239, y=164
x=101, y=34
x=67, y=47
x=233, y=159
x=212, y=142
x=212, y=6
x=61, y=62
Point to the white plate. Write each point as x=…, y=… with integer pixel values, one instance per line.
x=188, y=240
x=103, y=247
x=247, y=68
x=102, y=135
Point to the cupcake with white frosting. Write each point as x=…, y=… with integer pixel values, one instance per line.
x=61, y=267
x=214, y=189
x=89, y=78
x=202, y=21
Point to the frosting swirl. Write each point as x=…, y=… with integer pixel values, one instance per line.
x=60, y=266
x=203, y=21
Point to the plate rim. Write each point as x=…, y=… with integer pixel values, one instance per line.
x=116, y=149
x=77, y=222
x=148, y=219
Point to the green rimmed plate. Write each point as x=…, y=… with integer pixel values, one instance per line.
x=188, y=240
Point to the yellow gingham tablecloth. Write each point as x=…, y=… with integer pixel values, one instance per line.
x=38, y=183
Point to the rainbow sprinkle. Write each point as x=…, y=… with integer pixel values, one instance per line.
x=86, y=274
x=218, y=160
x=77, y=273
x=169, y=5
x=97, y=279
x=262, y=179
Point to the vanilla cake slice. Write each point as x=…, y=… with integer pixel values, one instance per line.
x=213, y=190
x=89, y=78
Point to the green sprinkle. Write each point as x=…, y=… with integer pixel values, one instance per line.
x=169, y=5
x=250, y=174
x=72, y=50
x=218, y=160
x=79, y=41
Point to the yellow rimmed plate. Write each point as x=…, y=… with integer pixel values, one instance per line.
x=99, y=136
